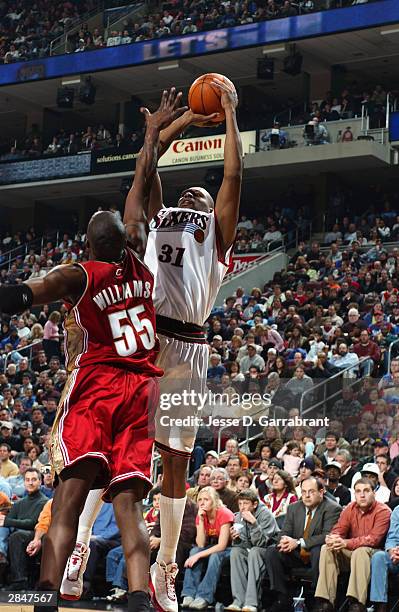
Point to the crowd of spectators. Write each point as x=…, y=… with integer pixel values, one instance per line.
x=351, y=102
x=187, y=17
x=332, y=309
x=71, y=142
x=346, y=229
x=346, y=105
x=279, y=228
x=27, y=28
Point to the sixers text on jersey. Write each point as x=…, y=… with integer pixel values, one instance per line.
x=169, y=218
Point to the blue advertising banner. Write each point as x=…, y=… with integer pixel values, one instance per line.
x=44, y=169
x=394, y=127
x=201, y=43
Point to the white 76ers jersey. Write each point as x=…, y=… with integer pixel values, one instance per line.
x=183, y=253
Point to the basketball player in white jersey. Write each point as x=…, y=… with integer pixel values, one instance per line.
x=188, y=251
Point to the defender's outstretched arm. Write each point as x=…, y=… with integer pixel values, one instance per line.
x=62, y=282
x=137, y=211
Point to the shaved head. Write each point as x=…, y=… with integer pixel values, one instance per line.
x=196, y=198
x=106, y=236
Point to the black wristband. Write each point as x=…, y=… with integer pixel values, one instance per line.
x=15, y=299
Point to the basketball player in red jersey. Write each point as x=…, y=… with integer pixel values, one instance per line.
x=103, y=434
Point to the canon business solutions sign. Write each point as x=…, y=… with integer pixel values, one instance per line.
x=203, y=149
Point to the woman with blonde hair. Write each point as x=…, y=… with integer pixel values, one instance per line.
x=234, y=347
x=212, y=547
x=36, y=332
x=36, y=335
x=269, y=337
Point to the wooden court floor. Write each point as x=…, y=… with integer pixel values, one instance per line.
x=8, y=608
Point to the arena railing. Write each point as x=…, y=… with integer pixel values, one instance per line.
x=129, y=12
x=289, y=240
x=348, y=377
x=364, y=248
x=8, y=356
x=8, y=257
x=247, y=428
x=60, y=44
x=285, y=117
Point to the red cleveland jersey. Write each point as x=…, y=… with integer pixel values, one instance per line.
x=114, y=320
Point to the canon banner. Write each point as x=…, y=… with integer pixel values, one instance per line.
x=203, y=149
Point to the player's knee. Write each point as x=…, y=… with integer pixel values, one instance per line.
x=173, y=462
x=179, y=464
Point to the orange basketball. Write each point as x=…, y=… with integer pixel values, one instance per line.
x=204, y=97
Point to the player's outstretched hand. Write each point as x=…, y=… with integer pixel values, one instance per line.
x=169, y=110
x=197, y=119
x=229, y=98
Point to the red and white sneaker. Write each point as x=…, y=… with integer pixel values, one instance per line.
x=72, y=581
x=162, y=585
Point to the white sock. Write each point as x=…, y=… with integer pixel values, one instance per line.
x=89, y=514
x=171, y=517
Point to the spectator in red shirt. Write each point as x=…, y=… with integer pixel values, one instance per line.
x=213, y=537
x=367, y=348
x=360, y=530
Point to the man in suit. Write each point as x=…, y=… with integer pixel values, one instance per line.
x=305, y=528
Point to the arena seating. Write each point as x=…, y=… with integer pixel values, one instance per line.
x=27, y=34
x=333, y=289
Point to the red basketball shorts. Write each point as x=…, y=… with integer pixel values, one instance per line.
x=107, y=413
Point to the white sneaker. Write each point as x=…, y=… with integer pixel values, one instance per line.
x=249, y=609
x=117, y=594
x=199, y=604
x=187, y=601
x=162, y=585
x=234, y=607
x=72, y=581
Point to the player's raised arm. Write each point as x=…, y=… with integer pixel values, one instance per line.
x=228, y=199
x=167, y=136
x=137, y=210
x=63, y=282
